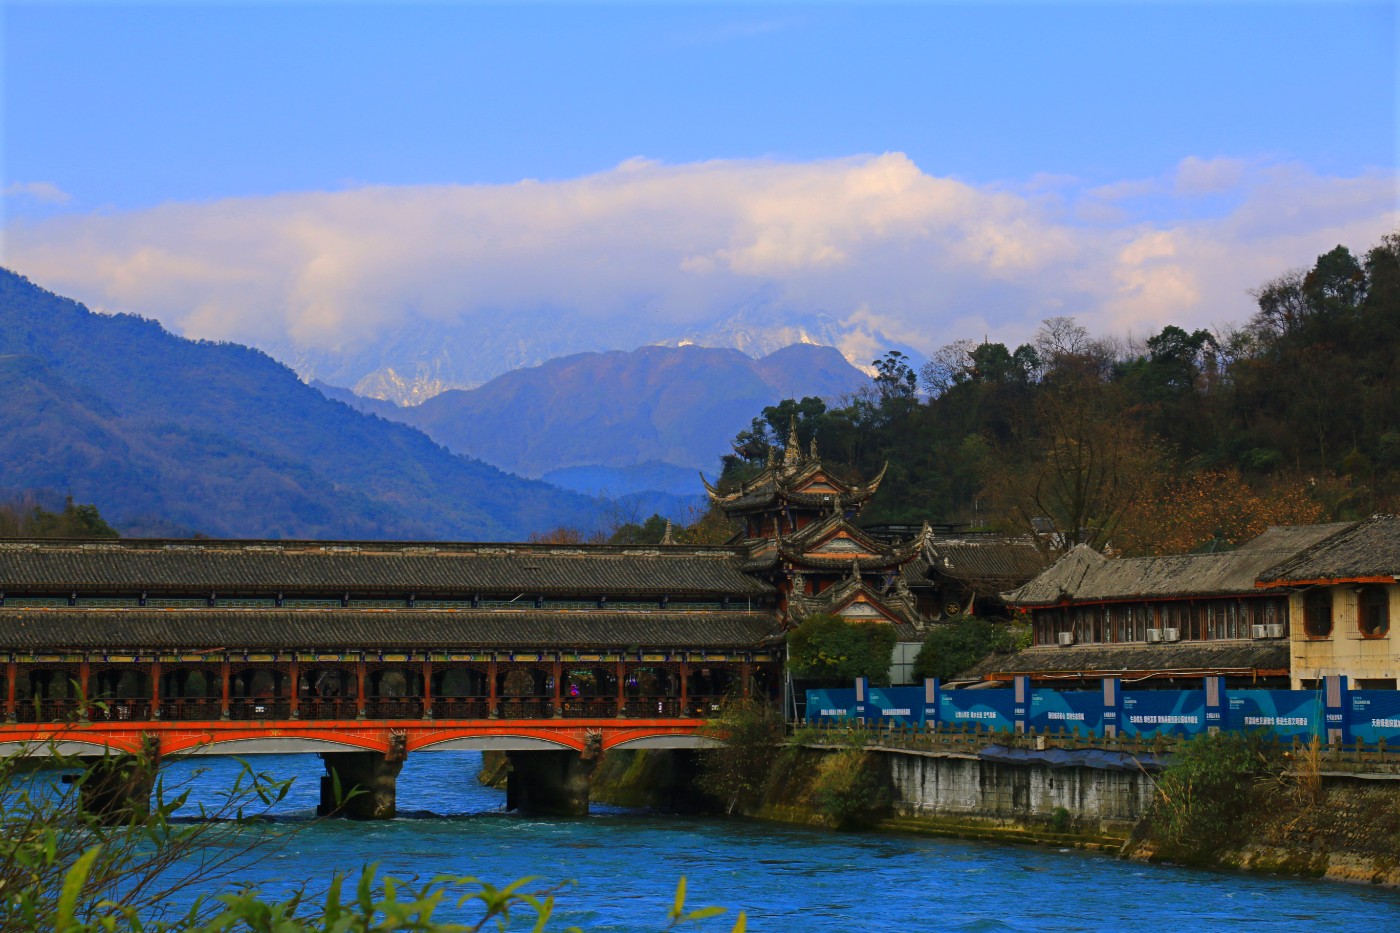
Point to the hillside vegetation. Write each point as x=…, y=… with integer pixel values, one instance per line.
x=1182, y=440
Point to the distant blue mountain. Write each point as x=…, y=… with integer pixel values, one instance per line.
x=633, y=413
x=161, y=432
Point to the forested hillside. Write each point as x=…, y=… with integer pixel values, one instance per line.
x=166, y=435
x=1187, y=439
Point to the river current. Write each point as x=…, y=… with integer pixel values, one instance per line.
x=624, y=865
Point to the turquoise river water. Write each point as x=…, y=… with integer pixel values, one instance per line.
x=625, y=864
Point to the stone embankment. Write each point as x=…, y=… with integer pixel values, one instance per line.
x=1349, y=832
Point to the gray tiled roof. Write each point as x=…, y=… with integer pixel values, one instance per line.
x=997, y=560
x=340, y=567
x=1083, y=575
x=1235, y=656
x=127, y=629
x=1370, y=549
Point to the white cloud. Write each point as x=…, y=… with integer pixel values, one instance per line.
x=1198, y=176
x=45, y=192
x=872, y=241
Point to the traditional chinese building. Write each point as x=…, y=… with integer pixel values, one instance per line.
x=1159, y=619
x=201, y=630
x=796, y=521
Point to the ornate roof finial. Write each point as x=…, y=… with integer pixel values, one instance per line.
x=793, y=453
x=666, y=538
x=813, y=454
x=855, y=568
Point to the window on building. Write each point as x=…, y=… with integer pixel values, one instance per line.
x=1373, y=611
x=1317, y=612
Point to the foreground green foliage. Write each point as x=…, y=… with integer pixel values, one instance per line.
x=829, y=650
x=952, y=647
x=1204, y=795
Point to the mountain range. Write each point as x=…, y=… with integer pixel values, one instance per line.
x=421, y=358
x=617, y=421
x=172, y=436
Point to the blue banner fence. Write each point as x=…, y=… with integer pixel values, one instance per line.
x=1335, y=713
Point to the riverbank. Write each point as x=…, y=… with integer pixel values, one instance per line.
x=1347, y=830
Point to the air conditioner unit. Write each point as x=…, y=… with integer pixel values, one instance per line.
x=1171, y=634
x=1274, y=629
x=1154, y=635
x=1066, y=638
x=1259, y=631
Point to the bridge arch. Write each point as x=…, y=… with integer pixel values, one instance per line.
x=504, y=742
x=269, y=745
x=680, y=740
x=77, y=747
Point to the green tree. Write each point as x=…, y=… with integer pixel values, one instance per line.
x=952, y=647
x=830, y=650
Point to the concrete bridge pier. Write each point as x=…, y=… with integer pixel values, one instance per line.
x=368, y=783
x=549, y=783
x=117, y=788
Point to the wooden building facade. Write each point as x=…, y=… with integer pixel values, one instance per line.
x=200, y=630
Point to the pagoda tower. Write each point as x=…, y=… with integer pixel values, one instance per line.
x=797, y=521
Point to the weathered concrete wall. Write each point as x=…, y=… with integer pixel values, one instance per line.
x=1110, y=802
x=968, y=797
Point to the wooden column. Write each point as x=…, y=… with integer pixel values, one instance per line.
x=685, y=687
x=11, y=672
x=225, y=672
x=491, y=688
x=621, y=688
x=558, y=672
x=427, y=687
x=294, y=675
x=746, y=672
x=155, y=689
x=360, y=688
x=83, y=670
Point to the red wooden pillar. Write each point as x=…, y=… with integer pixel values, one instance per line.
x=225, y=674
x=746, y=672
x=427, y=687
x=294, y=675
x=621, y=687
x=558, y=672
x=491, y=688
x=155, y=689
x=685, y=688
x=83, y=670
x=11, y=672
x=360, y=688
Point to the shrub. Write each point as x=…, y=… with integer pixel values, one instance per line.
x=1203, y=795
x=952, y=647
x=850, y=789
x=830, y=650
x=735, y=771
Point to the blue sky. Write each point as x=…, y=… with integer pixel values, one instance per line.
x=123, y=124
